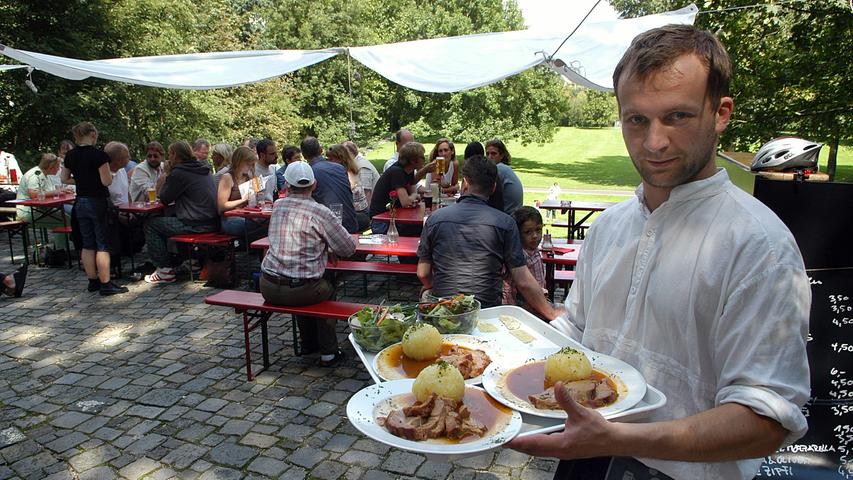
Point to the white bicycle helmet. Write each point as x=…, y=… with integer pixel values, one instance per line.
x=786, y=152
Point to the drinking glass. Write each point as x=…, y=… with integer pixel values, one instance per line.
x=41, y=195
x=152, y=195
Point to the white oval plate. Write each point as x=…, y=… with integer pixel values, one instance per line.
x=370, y=402
x=630, y=384
x=468, y=341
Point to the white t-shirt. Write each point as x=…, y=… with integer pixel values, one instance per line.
x=119, y=189
x=708, y=297
x=269, y=185
x=554, y=192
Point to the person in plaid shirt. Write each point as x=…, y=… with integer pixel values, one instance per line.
x=301, y=233
x=529, y=222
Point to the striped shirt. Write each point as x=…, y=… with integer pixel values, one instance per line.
x=301, y=233
x=537, y=269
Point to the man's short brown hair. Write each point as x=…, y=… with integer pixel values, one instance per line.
x=657, y=49
x=156, y=146
x=410, y=153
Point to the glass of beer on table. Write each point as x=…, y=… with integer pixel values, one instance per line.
x=440, y=165
x=152, y=195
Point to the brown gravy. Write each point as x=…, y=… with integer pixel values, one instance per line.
x=529, y=379
x=483, y=408
x=410, y=368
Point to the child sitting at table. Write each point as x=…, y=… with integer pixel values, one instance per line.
x=529, y=222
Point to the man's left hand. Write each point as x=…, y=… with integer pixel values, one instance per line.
x=587, y=433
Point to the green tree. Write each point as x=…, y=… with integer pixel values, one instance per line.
x=792, y=73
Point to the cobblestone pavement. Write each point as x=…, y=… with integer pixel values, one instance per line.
x=151, y=384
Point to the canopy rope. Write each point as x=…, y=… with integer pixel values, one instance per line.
x=573, y=31
x=349, y=87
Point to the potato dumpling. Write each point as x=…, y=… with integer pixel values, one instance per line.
x=441, y=378
x=422, y=342
x=567, y=365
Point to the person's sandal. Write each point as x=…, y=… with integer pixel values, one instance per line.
x=20, y=280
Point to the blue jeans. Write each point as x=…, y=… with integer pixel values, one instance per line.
x=378, y=227
x=91, y=215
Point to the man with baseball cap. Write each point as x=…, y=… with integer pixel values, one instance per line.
x=292, y=273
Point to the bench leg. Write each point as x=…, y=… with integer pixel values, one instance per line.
x=246, y=330
x=265, y=343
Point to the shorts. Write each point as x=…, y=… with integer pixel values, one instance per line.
x=91, y=214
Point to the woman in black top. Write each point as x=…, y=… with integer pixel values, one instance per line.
x=91, y=171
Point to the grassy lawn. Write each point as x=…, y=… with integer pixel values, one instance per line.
x=586, y=159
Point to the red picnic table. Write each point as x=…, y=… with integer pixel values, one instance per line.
x=410, y=216
x=50, y=207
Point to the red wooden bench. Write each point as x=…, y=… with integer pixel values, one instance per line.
x=364, y=268
x=253, y=307
x=17, y=227
x=261, y=243
x=194, y=240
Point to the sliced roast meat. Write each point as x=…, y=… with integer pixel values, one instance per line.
x=471, y=363
x=589, y=393
x=435, y=417
x=402, y=426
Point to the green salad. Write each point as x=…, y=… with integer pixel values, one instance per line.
x=449, y=315
x=389, y=326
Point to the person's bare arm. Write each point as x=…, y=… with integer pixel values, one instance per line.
x=725, y=433
x=425, y=274
x=532, y=292
x=407, y=198
x=106, y=176
x=224, y=192
x=428, y=168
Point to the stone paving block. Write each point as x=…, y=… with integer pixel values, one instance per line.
x=535, y=474
x=99, y=473
x=107, y=433
x=235, y=427
x=307, y=457
x=321, y=409
x=183, y=456
x=173, y=413
x=329, y=470
x=70, y=419
x=195, y=432
x=364, y=459
x=296, y=433
x=220, y=473
x=402, y=462
x=146, y=443
x=234, y=410
x=131, y=392
x=94, y=457
x=144, y=411
x=69, y=379
x=162, y=397
x=340, y=443
x=259, y=440
x=92, y=424
x=267, y=466
x=65, y=442
x=197, y=385
x=60, y=475
x=143, y=427
x=434, y=470
x=378, y=475
x=477, y=462
x=139, y=468
x=212, y=405
x=295, y=402
x=231, y=454
x=10, y=436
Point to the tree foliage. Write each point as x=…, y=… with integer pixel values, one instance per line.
x=315, y=100
x=793, y=73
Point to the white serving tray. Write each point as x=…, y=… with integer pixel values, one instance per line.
x=545, y=336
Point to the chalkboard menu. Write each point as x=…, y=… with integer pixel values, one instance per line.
x=819, y=216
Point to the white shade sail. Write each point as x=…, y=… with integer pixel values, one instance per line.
x=200, y=71
x=449, y=64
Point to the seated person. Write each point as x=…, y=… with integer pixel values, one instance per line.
x=341, y=154
x=529, y=222
x=242, y=169
x=119, y=156
x=41, y=178
x=290, y=154
x=13, y=284
x=332, y=182
x=186, y=182
x=457, y=255
x=145, y=174
x=400, y=178
x=302, y=231
x=449, y=180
